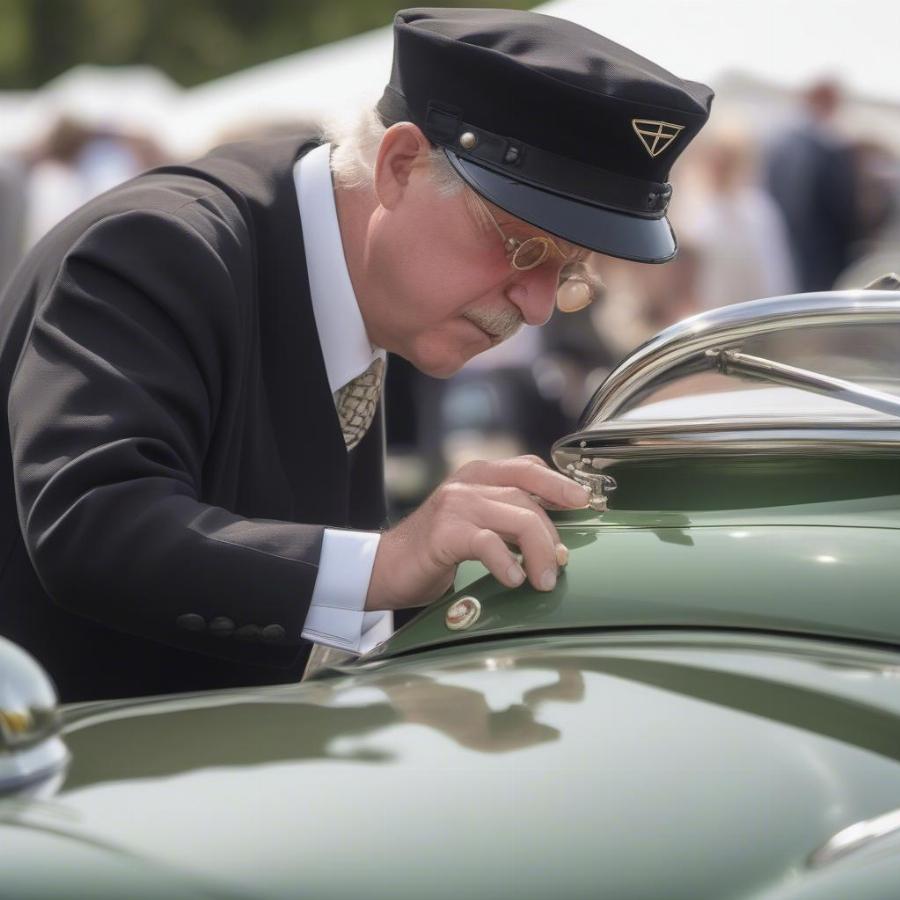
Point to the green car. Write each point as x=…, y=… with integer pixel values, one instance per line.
x=706, y=706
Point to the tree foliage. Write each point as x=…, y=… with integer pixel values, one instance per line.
x=190, y=40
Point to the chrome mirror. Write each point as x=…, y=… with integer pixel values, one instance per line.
x=31, y=751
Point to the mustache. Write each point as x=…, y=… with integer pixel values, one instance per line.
x=500, y=324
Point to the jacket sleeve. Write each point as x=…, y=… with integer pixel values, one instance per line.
x=112, y=411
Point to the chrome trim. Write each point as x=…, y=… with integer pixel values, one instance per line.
x=672, y=440
x=843, y=425
x=890, y=281
x=462, y=613
x=31, y=750
x=27, y=769
x=727, y=327
x=24, y=728
x=324, y=657
x=731, y=362
x=856, y=837
x=600, y=486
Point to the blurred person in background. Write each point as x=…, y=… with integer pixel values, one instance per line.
x=643, y=300
x=735, y=227
x=878, y=190
x=878, y=169
x=498, y=406
x=575, y=356
x=12, y=216
x=811, y=175
x=76, y=163
x=193, y=476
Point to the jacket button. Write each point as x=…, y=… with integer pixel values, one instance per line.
x=248, y=633
x=191, y=622
x=272, y=633
x=221, y=626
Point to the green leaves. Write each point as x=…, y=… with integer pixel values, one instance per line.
x=191, y=40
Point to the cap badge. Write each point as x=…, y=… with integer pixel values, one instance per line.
x=655, y=136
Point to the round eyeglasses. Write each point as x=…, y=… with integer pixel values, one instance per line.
x=575, y=291
x=523, y=255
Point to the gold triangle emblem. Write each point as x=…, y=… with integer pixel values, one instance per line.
x=655, y=136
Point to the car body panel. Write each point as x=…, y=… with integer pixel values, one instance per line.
x=706, y=702
x=820, y=579
x=627, y=765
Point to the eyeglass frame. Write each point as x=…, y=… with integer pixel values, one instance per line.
x=513, y=246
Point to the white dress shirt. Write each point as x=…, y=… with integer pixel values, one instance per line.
x=336, y=616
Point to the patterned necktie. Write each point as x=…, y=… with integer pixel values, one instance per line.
x=357, y=401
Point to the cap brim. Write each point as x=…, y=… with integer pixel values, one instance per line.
x=603, y=230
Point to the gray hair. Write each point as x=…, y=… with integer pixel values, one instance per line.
x=354, y=149
x=355, y=145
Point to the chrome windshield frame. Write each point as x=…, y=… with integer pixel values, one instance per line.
x=685, y=345
x=595, y=451
x=732, y=362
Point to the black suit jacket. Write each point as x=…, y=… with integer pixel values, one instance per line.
x=173, y=450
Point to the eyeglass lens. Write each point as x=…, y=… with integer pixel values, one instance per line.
x=530, y=253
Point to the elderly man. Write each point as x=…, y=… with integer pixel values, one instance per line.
x=193, y=485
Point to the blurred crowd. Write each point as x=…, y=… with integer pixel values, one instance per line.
x=803, y=207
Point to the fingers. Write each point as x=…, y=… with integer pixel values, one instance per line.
x=475, y=515
x=530, y=474
x=517, y=497
x=490, y=549
x=526, y=529
x=518, y=528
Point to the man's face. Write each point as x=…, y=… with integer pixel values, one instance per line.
x=451, y=292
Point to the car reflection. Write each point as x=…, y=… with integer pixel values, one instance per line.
x=490, y=704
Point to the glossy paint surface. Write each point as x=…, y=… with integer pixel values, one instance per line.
x=709, y=695
x=653, y=765
x=828, y=568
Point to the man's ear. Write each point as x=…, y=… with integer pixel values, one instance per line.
x=403, y=147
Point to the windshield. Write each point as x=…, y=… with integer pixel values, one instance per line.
x=866, y=356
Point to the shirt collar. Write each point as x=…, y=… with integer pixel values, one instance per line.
x=346, y=347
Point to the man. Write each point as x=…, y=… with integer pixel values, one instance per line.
x=192, y=361
x=812, y=177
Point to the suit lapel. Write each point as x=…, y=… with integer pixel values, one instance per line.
x=325, y=484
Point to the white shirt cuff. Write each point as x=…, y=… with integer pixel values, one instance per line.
x=337, y=616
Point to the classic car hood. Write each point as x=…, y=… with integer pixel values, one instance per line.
x=816, y=568
x=691, y=766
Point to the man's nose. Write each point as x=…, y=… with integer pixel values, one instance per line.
x=534, y=293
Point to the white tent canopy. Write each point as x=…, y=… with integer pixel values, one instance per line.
x=783, y=44
x=311, y=84
x=779, y=43
x=129, y=98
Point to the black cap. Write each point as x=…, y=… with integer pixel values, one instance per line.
x=549, y=121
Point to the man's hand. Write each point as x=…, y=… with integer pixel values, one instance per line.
x=474, y=514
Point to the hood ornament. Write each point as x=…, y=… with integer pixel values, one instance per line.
x=600, y=485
